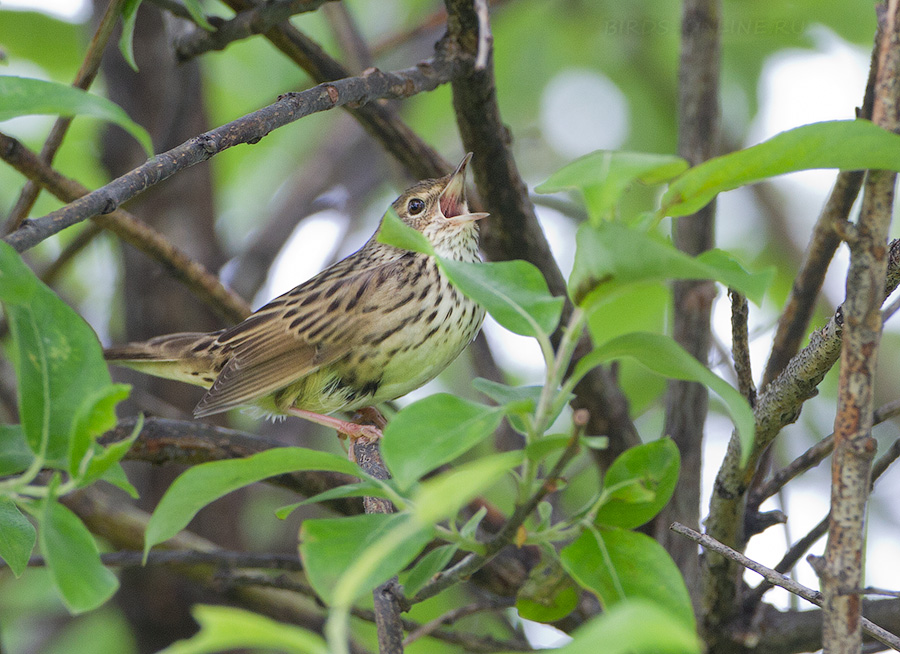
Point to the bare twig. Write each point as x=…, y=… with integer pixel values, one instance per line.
x=812, y=457
x=191, y=273
x=247, y=23
x=740, y=345
x=773, y=577
x=453, y=615
x=222, y=558
x=251, y=128
x=83, y=80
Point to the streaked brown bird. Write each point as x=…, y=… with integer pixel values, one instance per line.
x=371, y=328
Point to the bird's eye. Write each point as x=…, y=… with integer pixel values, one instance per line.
x=415, y=206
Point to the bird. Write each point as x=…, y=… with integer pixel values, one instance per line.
x=368, y=329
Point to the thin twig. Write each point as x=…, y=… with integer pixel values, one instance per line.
x=740, y=345
x=191, y=273
x=131, y=559
x=798, y=549
x=83, y=80
x=813, y=457
x=457, y=614
x=251, y=128
x=776, y=578
x=247, y=23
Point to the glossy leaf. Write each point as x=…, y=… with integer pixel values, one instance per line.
x=126, y=40
x=842, y=144
x=444, y=495
x=346, y=557
x=634, y=627
x=428, y=566
x=513, y=292
x=24, y=96
x=57, y=357
x=15, y=455
x=202, y=484
x=611, y=255
x=96, y=416
x=652, y=467
x=17, y=536
x=105, y=460
x=227, y=628
x=394, y=231
x=618, y=565
x=434, y=431
x=361, y=489
x=603, y=176
x=549, y=594
x=663, y=355
x=73, y=559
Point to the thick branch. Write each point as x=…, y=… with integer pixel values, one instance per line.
x=854, y=446
x=251, y=128
x=687, y=402
x=513, y=230
x=130, y=229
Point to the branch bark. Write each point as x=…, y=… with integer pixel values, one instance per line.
x=687, y=402
x=854, y=447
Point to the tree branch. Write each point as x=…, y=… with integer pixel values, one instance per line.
x=372, y=85
x=854, y=447
x=777, y=579
x=249, y=22
x=513, y=230
x=130, y=229
x=83, y=80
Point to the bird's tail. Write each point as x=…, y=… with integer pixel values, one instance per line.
x=186, y=357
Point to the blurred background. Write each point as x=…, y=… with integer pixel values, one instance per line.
x=573, y=76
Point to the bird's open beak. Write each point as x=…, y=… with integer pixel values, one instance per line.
x=453, y=198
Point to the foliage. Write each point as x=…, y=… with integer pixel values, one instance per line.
x=438, y=449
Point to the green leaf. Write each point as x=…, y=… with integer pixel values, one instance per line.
x=428, y=566
x=611, y=255
x=17, y=536
x=202, y=484
x=73, y=559
x=443, y=496
x=663, y=355
x=618, y=565
x=24, y=96
x=519, y=402
x=227, y=628
x=15, y=455
x=652, y=467
x=362, y=489
x=105, y=459
x=394, y=231
x=603, y=176
x=126, y=41
x=346, y=557
x=634, y=627
x=95, y=416
x=434, y=431
x=57, y=358
x=513, y=292
x=843, y=144
x=196, y=12
x=549, y=594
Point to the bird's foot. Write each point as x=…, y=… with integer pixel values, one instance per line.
x=368, y=433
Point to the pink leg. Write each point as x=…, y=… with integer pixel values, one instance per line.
x=351, y=429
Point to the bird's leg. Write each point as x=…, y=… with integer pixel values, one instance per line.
x=351, y=429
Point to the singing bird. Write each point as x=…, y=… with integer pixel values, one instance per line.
x=368, y=329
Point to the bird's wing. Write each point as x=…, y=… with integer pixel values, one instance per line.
x=305, y=329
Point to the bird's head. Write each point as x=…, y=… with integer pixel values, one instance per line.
x=438, y=209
